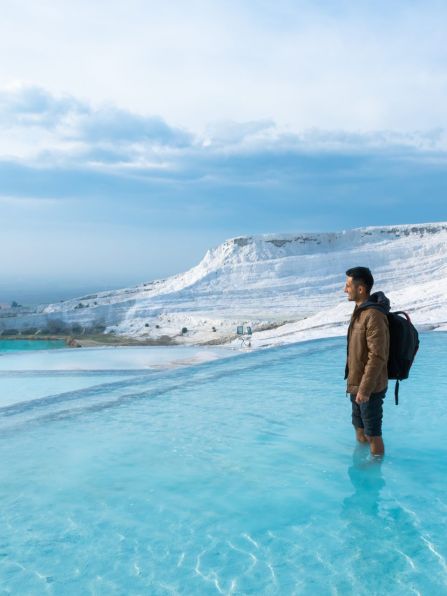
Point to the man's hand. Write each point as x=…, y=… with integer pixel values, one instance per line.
x=361, y=398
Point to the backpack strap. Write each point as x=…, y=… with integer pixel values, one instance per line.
x=401, y=312
x=396, y=392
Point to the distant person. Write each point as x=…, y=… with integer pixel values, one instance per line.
x=367, y=358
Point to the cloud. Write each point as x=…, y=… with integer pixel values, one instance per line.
x=104, y=157
x=26, y=202
x=330, y=65
x=22, y=105
x=228, y=132
x=73, y=127
x=48, y=130
x=110, y=124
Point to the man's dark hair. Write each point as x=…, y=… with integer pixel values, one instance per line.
x=361, y=275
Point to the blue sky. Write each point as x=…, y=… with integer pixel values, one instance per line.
x=134, y=137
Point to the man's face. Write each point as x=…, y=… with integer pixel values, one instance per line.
x=352, y=289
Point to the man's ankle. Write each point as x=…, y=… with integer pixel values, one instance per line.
x=377, y=446
x=360, y=436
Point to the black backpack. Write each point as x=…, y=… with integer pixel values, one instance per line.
x=404, y=344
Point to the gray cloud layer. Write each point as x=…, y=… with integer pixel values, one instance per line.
x=26, y=107
x=253, y=169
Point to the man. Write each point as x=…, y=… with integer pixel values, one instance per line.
x=368, y=349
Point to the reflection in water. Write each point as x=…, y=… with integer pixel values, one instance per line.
x=367, y=530
x=382, y=533
x=366, y=477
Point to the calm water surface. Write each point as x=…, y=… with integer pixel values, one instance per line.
x=19, y=345
x=235, y=477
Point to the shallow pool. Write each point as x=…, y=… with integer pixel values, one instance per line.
x=239, y=476
x=14, y=345
x=27, y=375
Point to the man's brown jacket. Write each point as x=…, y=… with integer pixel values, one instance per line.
x=368, y=349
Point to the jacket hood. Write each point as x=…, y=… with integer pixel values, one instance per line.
x=379, y=301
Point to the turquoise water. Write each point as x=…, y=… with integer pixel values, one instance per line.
x=235, y=477
x=13, y=345
x=27, y=375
